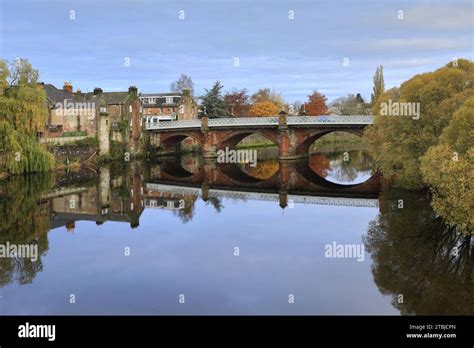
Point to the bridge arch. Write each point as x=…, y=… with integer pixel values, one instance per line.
x=306, y=141
x=230, y=139
x=169, y=140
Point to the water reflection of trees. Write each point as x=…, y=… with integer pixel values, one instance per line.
x=23, y=221
x=320, y=164
x=416, y=255
x=187, y=213
x=262, y=170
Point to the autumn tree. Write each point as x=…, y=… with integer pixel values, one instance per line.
x=316, y=104
x=264, y=108
x=182, y=83
x=448, y=168
x=213, y=103
x=379, y=85
x=238, y=103
x=399, y=142
x=268, y=95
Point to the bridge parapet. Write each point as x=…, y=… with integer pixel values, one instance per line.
x=329, y=120
x=326, y=120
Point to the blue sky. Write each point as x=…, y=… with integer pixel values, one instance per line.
x=292, y=56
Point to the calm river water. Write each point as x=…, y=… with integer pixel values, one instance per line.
x=184, y=236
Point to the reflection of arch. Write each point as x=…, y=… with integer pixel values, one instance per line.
x=172, y=170
x=307, y=172
x=303, y=147
x=233, y=172
x=233, y=138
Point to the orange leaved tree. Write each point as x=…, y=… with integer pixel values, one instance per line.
x=264, y=108
x=316, y=104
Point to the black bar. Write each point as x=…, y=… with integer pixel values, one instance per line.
x=289, y=330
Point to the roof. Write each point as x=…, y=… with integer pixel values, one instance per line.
x=56, y=95
x=109, y=97
x=160, y=94
x=161, y=99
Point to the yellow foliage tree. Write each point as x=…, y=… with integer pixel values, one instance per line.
x=399, y=141
x=264, y=108
x=448, y=168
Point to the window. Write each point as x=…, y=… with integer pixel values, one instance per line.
x=130, y=108
x=169, y=100
x=103, y=109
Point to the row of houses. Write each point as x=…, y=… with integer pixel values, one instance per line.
x=110, y=116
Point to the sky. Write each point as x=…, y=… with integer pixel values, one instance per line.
x=291, y=46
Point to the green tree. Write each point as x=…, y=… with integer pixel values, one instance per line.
x=399, y=142
x=23, y=113
x=213, y=103
x=379, y=84
x=22, y=100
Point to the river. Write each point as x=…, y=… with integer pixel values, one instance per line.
x=183, y=235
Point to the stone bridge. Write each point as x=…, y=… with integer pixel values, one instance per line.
x=292, y=134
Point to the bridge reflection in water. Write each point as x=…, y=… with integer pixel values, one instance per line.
x=292, y=182
x=122, y=197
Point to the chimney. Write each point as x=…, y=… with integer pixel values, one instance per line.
x=97, y=91
x=132, y=90
x=67, y=87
